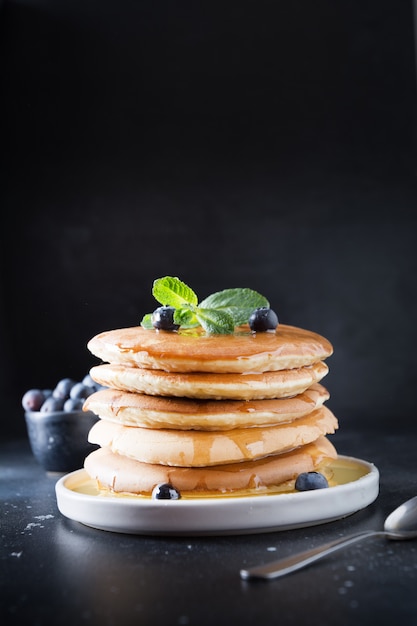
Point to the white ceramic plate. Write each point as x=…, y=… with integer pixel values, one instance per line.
x=358, y=486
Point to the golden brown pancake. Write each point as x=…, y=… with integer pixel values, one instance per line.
x=117, y=473
x=192, y=448
x=139, y=409
x=194, y=351
x=276, y=384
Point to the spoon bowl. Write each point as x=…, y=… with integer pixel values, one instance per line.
x=400, y=524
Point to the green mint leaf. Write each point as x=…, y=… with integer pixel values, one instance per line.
x=147, y=321
x=215, y=322
x=171, y=291
x=238, y=303
x=185, y=318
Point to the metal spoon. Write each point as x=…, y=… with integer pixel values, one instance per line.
x=400, y=524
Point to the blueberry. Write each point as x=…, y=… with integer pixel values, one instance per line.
x=52, y=404
x=87, y=380
x=63, y=388
x=73, y=404
x=80, y=391
x=263, y=319
x=163, y=318
x=33, y=399
x=310, y=480
x=165, y=491
x=90, y=382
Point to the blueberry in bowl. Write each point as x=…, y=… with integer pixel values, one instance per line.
x=57, y=426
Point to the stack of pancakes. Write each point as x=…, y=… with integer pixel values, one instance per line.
x=209, y=414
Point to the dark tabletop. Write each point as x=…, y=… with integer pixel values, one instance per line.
x=55, y=570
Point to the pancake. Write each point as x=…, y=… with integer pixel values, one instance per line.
x=191, y=448
x=249, y=386
x=194, y=351
x=117, y=473
x=138, y=409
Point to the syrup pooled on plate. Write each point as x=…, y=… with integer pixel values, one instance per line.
x=341, y=471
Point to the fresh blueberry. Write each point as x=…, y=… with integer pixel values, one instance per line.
x=52, y=404
x=80, y=391
x=165, y=491
x=33, y=399
x=263, y=319
x=63, y=388
x=310, y=480
x=87, y=380
x=163, y=318
x=73, y=404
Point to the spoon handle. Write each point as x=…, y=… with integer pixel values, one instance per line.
x=298, y=561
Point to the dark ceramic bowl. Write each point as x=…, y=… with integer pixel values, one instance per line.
x=59, y=440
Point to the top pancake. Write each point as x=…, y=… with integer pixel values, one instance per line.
x=195, y=351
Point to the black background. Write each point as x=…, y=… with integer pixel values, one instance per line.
x=269, y=145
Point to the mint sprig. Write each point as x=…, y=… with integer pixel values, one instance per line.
x=172, y=291
x=219, y=313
